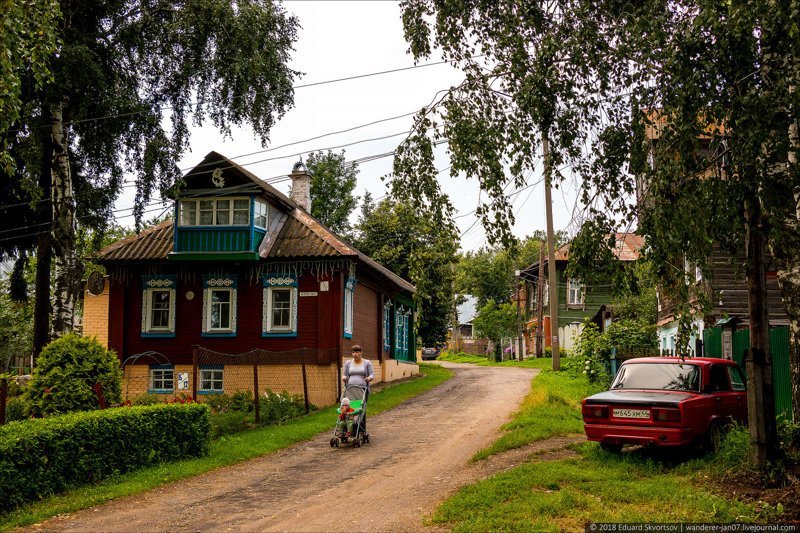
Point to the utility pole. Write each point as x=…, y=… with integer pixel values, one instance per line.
x=551, y=251
x=520, y=347
x=540, y=304
x=761, y=390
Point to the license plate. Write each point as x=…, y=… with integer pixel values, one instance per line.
x=632, y=413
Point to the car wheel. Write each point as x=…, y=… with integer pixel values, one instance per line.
x=611, y=448
x=713, y=438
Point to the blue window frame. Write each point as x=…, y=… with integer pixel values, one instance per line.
x=349, y=301
x=219, y=306
x=279, y=306
x=158, y=306
x=387, y=328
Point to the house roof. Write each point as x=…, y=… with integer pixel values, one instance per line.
x=301, y=235
x=627, y=248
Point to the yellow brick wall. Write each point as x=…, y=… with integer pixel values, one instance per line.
x=95, y=315
x=393, y=370
x=321, y=381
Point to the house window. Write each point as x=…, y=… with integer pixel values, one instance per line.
x=220, y=309
x=576, y=290
x=398, y=330
x=158, y=306
x=658, y=301
x=279, y=311
x=349, y=291
x=241, y=212
x=219, y=306
x=220, y=212
x=698, y=273
x=211, y=380
x=387, y=327
x=261, y=216
x=162, y=379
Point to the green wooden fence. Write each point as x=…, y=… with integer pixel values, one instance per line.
x=779, y=343
x=712, y=342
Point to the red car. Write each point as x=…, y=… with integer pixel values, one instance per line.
x=667, y=401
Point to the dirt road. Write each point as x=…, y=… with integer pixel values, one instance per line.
x=418, y=455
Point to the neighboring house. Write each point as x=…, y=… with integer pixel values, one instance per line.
x=724, y=284
x=725, y=287
x=577, y=301
x=247, y=268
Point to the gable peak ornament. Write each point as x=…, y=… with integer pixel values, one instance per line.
x=217, y=179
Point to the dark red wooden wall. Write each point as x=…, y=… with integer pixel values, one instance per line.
x=319, y=320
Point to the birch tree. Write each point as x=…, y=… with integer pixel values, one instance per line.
x=125, y=80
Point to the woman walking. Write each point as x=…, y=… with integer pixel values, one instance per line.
x=358, y=371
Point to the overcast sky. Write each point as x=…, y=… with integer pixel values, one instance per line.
x=339, y=39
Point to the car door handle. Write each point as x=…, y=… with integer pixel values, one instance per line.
x=718, y=399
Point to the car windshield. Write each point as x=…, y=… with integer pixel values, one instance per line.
x=658, y=376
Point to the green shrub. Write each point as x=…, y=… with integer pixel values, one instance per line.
x=44, y=456
x=789, y=435
x=230, y=422
x=17, y=408
x=65, y=373
x=219, y=403
x=279, y=408
x=148, y=399
x=242, y=401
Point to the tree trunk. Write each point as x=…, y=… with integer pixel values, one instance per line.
x=789, y=281
x=68, y=272
x=44, y=257
x=787, y=255
x=761, y=392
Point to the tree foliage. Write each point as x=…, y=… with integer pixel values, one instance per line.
x=698, y=100
x=488, y=273
x=28, y=37
x=419, y=249
x=333, y=181
x=495, y=321
x=116, y=97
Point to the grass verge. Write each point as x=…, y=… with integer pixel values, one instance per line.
x=564, y=495
x=225, y=451
x=596, y=487
x=484, y=361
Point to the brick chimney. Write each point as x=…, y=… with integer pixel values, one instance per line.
x=301, y=186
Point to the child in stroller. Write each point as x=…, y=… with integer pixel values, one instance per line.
x=344, y=427
x=349, y=423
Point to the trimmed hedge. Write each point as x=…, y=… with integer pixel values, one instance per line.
x=45, y=456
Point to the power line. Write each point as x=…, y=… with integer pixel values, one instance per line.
x=256, y=93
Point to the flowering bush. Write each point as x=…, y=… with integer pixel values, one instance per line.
x=592, y=351
x=182, y=398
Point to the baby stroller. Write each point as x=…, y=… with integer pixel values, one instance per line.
x=358, y=401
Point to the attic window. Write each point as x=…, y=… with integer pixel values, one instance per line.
x=215, y=212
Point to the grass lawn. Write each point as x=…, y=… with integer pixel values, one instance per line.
x=226, y=450
x=564, y=495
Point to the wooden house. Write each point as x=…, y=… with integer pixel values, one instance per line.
x=725, y=288
x=724, y=283
x=577, y=301
x=242, y=268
